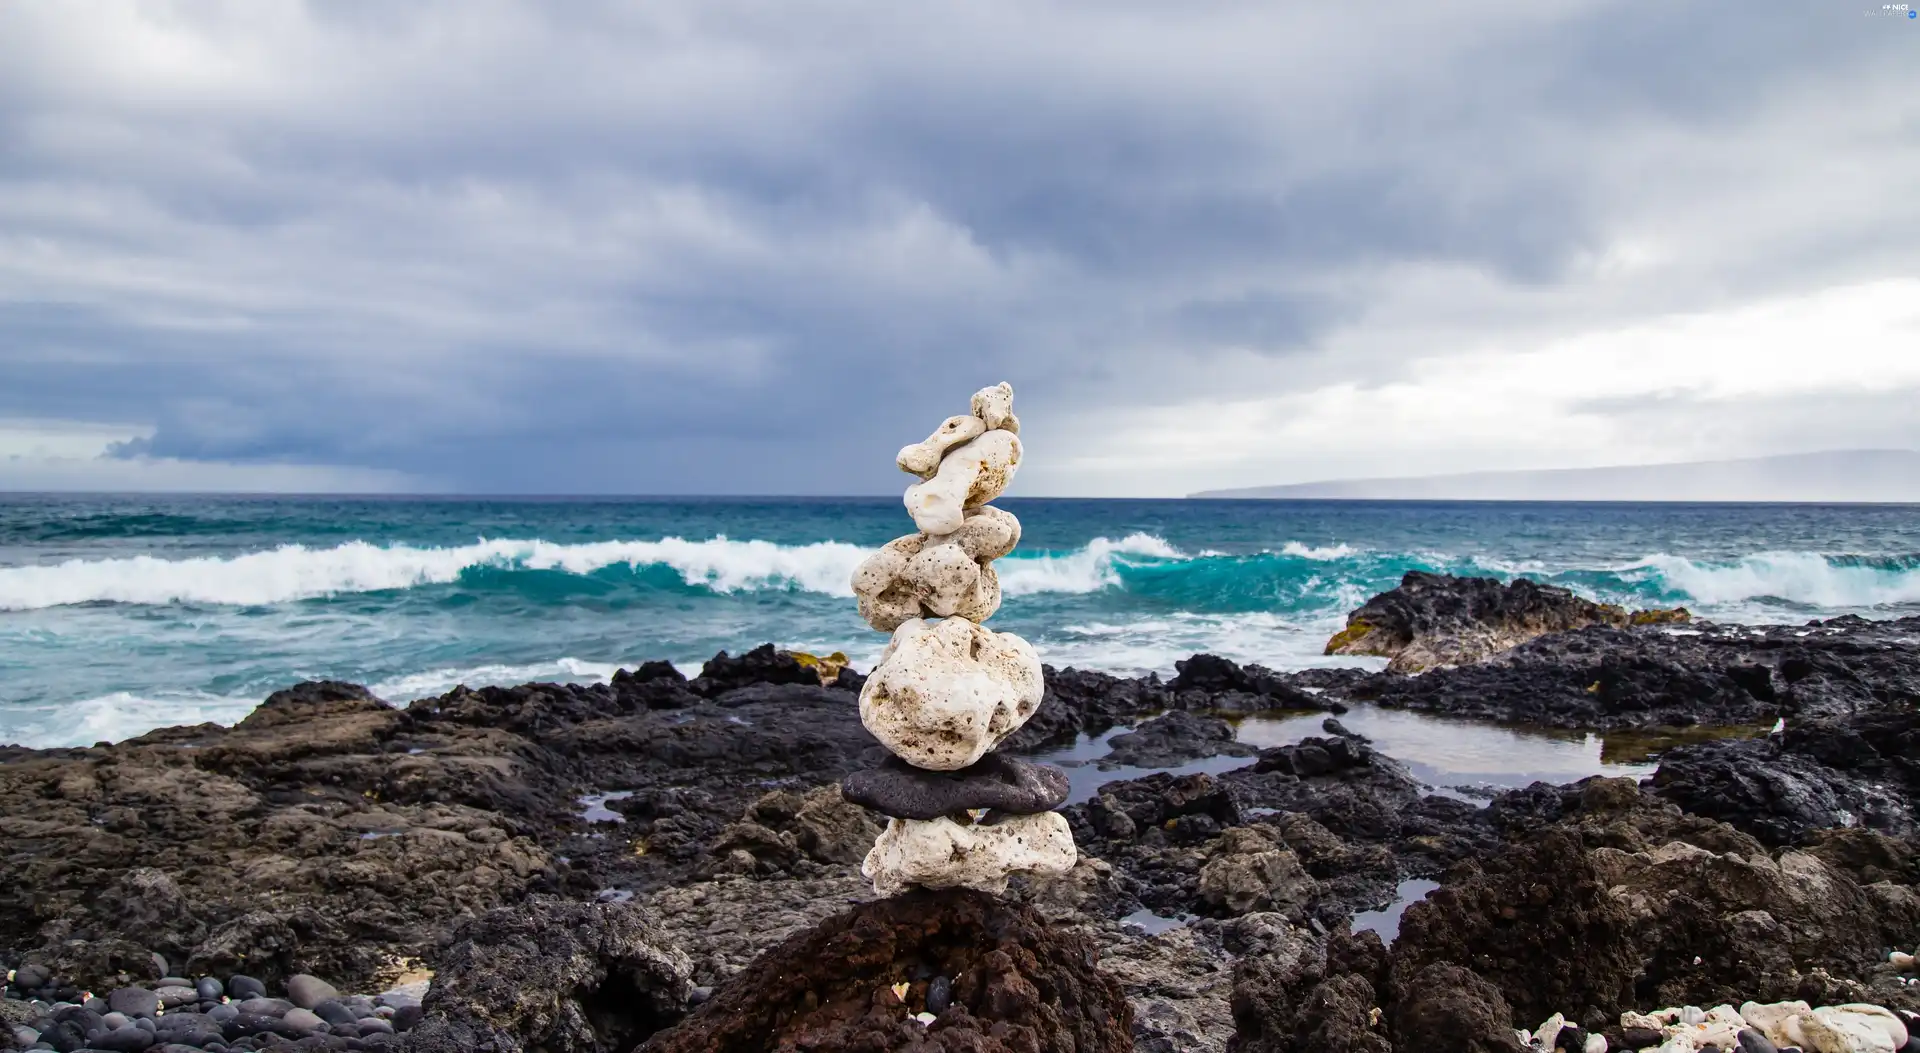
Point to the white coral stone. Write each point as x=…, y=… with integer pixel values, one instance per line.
x=994, y=406
x=946, y=692
x=969, y=476
x=920, y=577
x=923, y=458
x=941, y=853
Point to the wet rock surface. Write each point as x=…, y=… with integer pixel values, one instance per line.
x=335, y=835
x=1652, y=676
x=1433, y=620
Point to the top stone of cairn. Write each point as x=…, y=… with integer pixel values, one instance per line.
x=965, y=463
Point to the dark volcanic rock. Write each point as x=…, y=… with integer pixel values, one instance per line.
x=998, y=781
x=1017, y=983
x=1711, y=916
x=1210, y=682
x=762, y=665
x=1606, y=677
x=1541, y=901
x=1444, y=1008
x=1078, y=700
x=1594, y=678
x=1818, y=774
x=783, y=828
x=554, y=975
x=1432, y=620
x=1302, y=996
x=1173, y=739
x=655, y=685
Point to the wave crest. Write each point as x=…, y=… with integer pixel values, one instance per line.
x=1809, y=578
x=296, y=572
x=291, y=573
x=1090, y=568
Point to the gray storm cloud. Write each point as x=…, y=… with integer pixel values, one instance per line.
x=719, y=247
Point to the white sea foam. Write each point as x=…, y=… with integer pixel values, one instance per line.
x=1153, y=645
x=1323, y=553
x=1796, y=577
x=1087, y=569
x=117, y=716
x=428, y=683
x=296, y=572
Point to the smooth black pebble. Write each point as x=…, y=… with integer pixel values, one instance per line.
x=939, y=995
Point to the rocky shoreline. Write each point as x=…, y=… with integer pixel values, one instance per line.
x=335, y=835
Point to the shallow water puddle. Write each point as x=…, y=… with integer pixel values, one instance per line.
x=1153, y=924
x=1084, y=779
x=1448, y=754
x=596, y=810
x=1386, y=921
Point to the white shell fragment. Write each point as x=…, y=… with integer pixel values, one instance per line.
x=946, y=692
x=994, y=407
x=937, y=577
x=970, y=475
x=923, y=458
x=941, y=853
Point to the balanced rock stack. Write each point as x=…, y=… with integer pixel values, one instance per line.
x=946, y=690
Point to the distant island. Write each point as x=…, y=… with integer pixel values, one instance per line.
x=1889, y=476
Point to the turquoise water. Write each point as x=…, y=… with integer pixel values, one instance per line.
x=120, y=614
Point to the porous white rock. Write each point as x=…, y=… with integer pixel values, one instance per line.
x=1545, y=1035
x=918, y=576
x=942, y=853
x=1775, y=1020
x=1678, y=1042
x=945, y=692
x=994, y=407
x=1834, y=1030
x=1880, y=1017
x=1902, y=961
x=1596, y=1043
x=923, y=458
x=969, y=476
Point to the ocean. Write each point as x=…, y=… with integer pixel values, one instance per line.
x=119, y=614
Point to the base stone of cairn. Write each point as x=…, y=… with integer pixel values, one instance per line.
x=936, y=972
x=948, y=690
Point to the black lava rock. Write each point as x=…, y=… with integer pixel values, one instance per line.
x=123, y=1040
x=1002, y=783
x=134, y=1001
x=939, y=995
x=1171, y=739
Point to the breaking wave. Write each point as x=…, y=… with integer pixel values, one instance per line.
x=1296, y=577
x=1839, y=582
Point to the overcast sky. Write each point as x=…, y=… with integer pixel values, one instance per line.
x=710, y=246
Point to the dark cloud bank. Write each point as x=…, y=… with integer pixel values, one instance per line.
x=716, y=247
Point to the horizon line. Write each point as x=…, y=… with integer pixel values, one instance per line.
x=1190, y=498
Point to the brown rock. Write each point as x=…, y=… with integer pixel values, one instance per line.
x=1019, y=985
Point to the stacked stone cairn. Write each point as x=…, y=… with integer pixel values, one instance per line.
x=947, y=690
